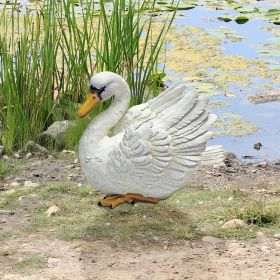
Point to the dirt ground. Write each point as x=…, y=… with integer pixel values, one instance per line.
x=203, y=258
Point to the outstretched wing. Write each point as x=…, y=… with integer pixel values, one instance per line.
x=165, y=139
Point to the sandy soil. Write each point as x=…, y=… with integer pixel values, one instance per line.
x=206, y=258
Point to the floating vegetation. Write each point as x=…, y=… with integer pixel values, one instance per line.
x=232, y=124
x=265, y=97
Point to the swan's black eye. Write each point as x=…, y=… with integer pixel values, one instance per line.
x=93, y=89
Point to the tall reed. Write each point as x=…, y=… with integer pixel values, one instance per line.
x=47, y=57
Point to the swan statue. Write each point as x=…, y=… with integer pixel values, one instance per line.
x=147, y=152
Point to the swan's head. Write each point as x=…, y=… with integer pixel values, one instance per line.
x=102, y=86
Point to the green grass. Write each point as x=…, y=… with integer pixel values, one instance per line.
x=188, y=214
x=3, y=167
x=31, y=261
x=259, y=213
x=47, y=57
x=5, y=234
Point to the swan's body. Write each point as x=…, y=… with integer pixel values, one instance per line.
x=154, y=147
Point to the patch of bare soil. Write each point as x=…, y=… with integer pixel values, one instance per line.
x=206, y=258
x=213, y=259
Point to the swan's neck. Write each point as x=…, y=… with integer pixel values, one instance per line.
x=100, y=125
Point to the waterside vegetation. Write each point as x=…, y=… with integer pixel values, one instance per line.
x=48, y=54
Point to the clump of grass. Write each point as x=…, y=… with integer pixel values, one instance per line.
x=3, y=167
x=5, y=234
x=237, y=192
x=31, y=261
x=258, y=212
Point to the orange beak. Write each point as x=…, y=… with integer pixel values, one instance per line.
x=91, y=101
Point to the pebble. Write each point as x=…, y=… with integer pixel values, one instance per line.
x=52, y=211
x=5, y=157
x=234, y=224
x=260, y=234
x=17, y=156
x=14, y=184
x=219, y=165
x=263, y=164
x=68, y=152
x=31, y=184
x=28, y=156
x=277, y=235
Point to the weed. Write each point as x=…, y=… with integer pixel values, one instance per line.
x=257, y=212
x=31, y=261
x=3, y=167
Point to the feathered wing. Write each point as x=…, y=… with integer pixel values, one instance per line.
x=163, y=141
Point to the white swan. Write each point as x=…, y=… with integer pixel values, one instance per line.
x=153, y=148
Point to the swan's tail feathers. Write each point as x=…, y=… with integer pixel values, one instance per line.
x=212, y=155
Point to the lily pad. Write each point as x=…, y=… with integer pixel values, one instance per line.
x=241, y=19
x=225, y=18
x=182, y=8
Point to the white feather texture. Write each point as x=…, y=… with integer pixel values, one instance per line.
x=154, y=146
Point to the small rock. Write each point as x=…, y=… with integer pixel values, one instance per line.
x=212, y=240
x=277, y=235
x=14, y=184
x=68, y=152
x=257, y=146
x=17, y=156
x=234, y=224
x=230, y=156
x=220, y=165
x=5, y=157
x=30, y=184
x=263, y=164
x=260, y=234
x=76, y=161
x=36, y=149
x=56, y=134
x=52, y=211
x=28, y=155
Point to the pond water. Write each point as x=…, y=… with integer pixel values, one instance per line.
x=257, y=40
x=266, y=116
